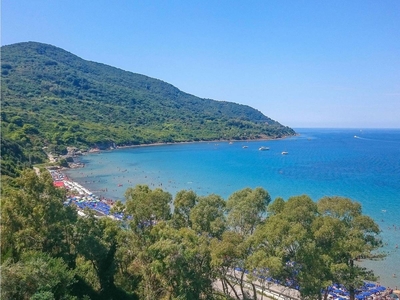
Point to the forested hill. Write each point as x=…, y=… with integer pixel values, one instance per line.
x=53, y=98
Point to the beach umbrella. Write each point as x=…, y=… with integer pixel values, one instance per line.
x=369, y=284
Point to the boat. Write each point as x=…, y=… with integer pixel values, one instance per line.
x=284, y=152
x=263, y=148
x=244, y=147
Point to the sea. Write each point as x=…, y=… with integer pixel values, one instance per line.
x=361, y=164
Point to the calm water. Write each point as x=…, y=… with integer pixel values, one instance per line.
x=363, y=165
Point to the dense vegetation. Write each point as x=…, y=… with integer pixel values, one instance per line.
x=48, y=252
x=53, y=98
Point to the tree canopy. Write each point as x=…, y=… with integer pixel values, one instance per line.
x=161, y=252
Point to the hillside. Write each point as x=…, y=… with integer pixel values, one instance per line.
x=53, y=98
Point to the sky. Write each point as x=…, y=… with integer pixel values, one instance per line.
x=303, y=63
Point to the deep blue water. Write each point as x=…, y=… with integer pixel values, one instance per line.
x=363, y=165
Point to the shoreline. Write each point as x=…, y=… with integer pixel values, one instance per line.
x=240, y=142
x=82, y=198
x=96, y=150
x=380, y=267
x=76, y=164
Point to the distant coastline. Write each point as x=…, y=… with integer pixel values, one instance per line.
x=93, y=150
x=96, y=149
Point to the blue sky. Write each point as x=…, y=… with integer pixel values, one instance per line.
x=303, y=63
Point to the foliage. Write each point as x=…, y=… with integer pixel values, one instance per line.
x=48, y=252
x=147, y=207
x=246, y=209
x=97, y=242
x=183, y=203
x=36, y=276
x=53, y=98
x=13, y=158
x=208, y=217
x=33, y=217
x=315, y=244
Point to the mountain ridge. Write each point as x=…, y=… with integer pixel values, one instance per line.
x=53, y=98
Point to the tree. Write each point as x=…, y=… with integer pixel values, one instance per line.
x=33, y=217
x=166, y=263
x=276, y=206
x=183, y=203
x=281, y=241
x=98, y=243
x=311, y=245
x=207, y=216
x=181, y=261
x=147, y=207
x=36, y=276
x=227, y=254
x=246, y=209
x=353, y=235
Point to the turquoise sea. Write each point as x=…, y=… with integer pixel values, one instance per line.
x=363, y=165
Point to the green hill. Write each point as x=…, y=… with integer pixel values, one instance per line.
x=53, y=98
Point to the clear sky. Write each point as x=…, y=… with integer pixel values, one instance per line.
x=303, y=63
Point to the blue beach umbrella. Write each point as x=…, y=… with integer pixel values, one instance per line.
x=369, y=284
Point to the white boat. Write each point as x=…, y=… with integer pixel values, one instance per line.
x=263, y=148
x=284, y=152
x=244, y=147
